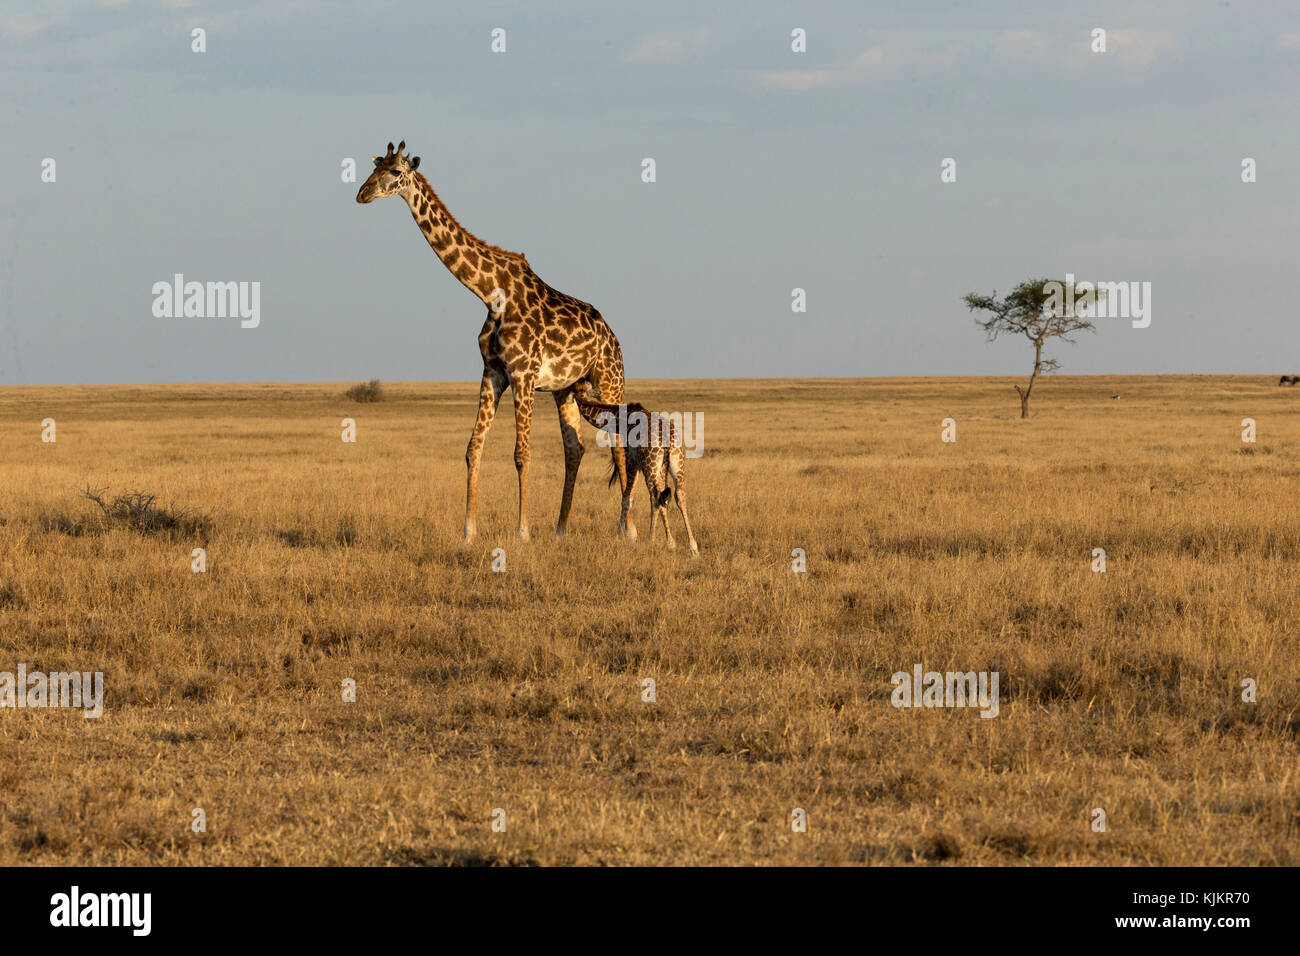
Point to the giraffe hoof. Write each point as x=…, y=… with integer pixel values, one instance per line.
x=523, y=534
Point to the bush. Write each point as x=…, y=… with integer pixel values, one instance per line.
x=140, y=511
x=370, y=391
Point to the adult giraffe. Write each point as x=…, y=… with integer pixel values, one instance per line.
x=535, y=337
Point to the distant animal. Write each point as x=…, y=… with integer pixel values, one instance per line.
x=1115, y=396
x=653, y=449
x=1288, y=379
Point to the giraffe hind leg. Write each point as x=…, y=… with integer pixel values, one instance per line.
x=571, y=431
x=677, y=465
x=607, y=381
x=523, y=390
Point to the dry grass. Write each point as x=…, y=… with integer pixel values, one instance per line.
x=522, y=690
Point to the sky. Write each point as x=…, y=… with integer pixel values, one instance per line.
x=774, y=170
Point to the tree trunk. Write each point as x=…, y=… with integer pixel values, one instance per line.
x=1025, y=392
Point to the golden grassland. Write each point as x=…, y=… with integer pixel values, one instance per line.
x=522, y=690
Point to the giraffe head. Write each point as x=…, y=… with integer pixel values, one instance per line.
x=393, y=174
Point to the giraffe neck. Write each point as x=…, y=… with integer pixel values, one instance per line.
x=481, y=268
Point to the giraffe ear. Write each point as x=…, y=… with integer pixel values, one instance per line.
x=415, y=163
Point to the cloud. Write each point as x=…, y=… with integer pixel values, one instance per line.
x=1141, y=47
x=926, y=54
x=665, y=48
x=880, y=59
x=797, y=80
x=22, y=25
x=1023, y=45
x=1131, y=48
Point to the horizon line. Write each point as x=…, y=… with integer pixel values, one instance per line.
x=742, y=378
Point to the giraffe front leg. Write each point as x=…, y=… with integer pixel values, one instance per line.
x=629, y=482
x=668, y=529
x=626, y=481
x=654, y=510
x=657, y=481
x=571, y=432
x=660, y=507
x=523, y=426
x=660, y=512
x=489, y=396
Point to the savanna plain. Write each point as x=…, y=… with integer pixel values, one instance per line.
x=522, y=690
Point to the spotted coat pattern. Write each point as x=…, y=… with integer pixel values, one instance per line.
x=658, y=460
x=534, y=338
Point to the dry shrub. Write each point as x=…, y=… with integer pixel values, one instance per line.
x=140, y=511
x=367, y=392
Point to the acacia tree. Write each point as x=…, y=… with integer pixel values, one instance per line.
x=1039, y=309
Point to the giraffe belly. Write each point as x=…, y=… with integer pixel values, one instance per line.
x=553, y=376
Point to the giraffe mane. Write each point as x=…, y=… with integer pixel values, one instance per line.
x=427, y=187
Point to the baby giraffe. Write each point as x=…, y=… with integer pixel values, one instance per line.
x=656, y=453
